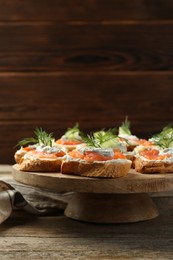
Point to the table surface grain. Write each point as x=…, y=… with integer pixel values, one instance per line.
x=24, y=236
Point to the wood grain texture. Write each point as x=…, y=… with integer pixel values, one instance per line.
x=97, y=46
x=65, y=238
x=92, y=61
x=65, y=10
x=27, y=235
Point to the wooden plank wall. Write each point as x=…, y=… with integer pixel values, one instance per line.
x=90, y=61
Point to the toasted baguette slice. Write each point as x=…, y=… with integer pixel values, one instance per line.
x=18, y=156
x=151, y=166
x=21, y=152
x=41, y=165
x=108, y=169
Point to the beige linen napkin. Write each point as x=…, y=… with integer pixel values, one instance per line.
x=15, y=196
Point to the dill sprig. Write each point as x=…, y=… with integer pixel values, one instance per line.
x=73, y=133
x=103, y=136
x=73, y=129
x=100, y=138
x=125, y=127
x=90, y=140
x=41, y=137
x=164, y=139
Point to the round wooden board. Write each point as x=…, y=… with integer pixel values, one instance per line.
x=132, y=183
x=103, y=200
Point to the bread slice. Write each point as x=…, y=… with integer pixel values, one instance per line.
x=107, y=169
x=18, y=155
x=40, y=165
x=152, y=166
x=21, y=152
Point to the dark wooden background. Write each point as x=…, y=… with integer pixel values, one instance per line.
x=90, y=61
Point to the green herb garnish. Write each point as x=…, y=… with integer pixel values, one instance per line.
x=125, y=127
x=73, y=133
x=41, y=137
x=103, y=136
x=90, y=141
x=164, y=139
x=101, y=139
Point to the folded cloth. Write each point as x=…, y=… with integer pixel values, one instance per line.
x=15, y=196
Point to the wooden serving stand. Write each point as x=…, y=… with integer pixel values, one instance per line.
x=102, y=200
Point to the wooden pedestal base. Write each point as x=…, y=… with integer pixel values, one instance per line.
x=99, y=200
x=111, y=208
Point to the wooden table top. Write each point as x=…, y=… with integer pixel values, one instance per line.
x=24, y=236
